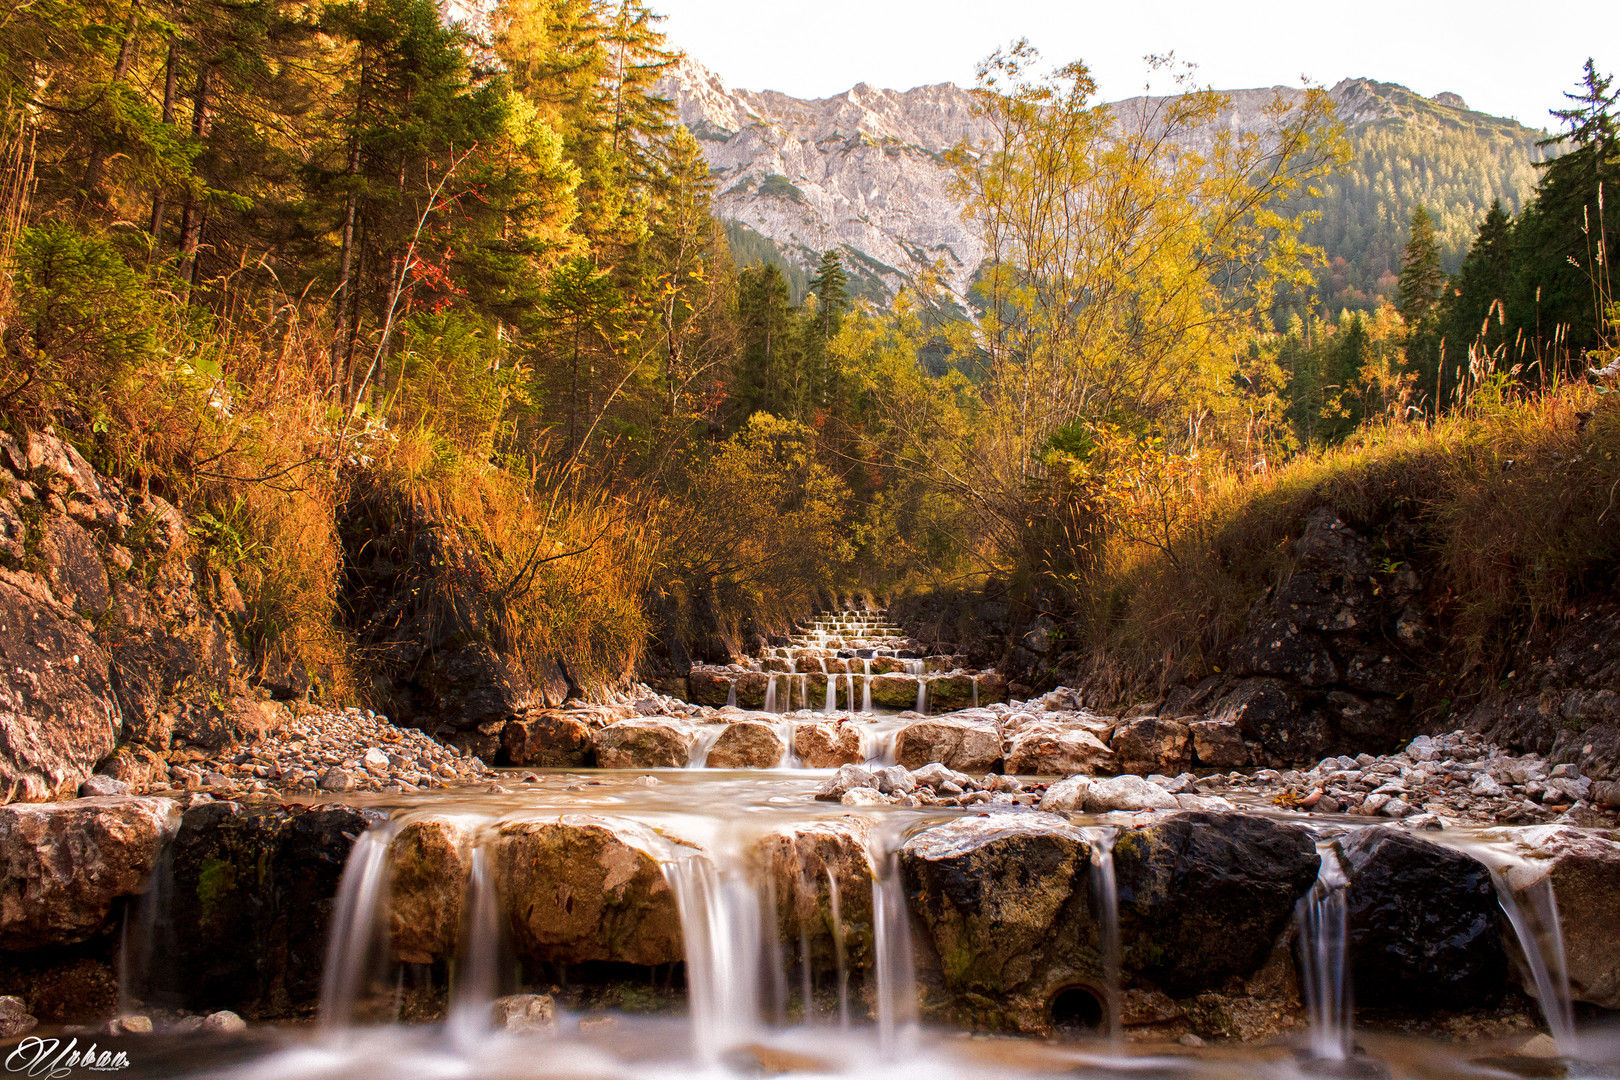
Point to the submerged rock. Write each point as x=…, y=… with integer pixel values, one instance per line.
x=1203, y=897
x=67, y=864
x=969, y=746
x=655, y=742
x=1425, y=926
x=747, y=744
x=584, y=888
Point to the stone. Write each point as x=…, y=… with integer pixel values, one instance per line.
x=846, y=779
x=549, y=740
x=1126, y=792
x=135, y=1024
x=585, y=888
x=1217, y=744
x=708, y=687
x=1281, y=649
x=828, y=745
x=965, y=745
x=864, y=796
x=1271, y=712
x=1152, y=744
x=429, y=862
x=1067, y=795
x=895, y=780
x=223, y=1022
x=645, y=743
x=817, y=868
x=524, y=1014
x=374, y=761
x=892, y=691
x=1056, y=749
x=58, y=713
x=14, y=1017
x=68, y=864
x=747, y=744
x=102, y=785
x=134, y=765
x=1583, y=870
x=336, y=780
x=1376, y=724
x=934, y=775
x=1425, y=926
x=1005, y=904
x=1203, y=896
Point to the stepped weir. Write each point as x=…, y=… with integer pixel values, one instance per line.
x=810, y=879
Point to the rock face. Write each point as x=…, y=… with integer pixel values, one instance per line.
x=969, y=746
x=1202, y=897
x=68, y=864
x=747, y=744
x=430, y=861
x=1425, y=927
x=1583, y=870
x=584, y=888
x=647, y=743
x=1152, y=744
x=111, y=629
x=806, y=863
x=1005, y=905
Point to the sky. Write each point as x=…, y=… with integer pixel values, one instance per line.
x=1507, y=59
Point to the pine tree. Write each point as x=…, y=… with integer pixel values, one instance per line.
x=1474, y=311
x=1421, y=278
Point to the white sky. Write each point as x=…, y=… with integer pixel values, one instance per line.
x=1507, y=59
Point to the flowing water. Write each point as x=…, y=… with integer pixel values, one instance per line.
x=753, y=1006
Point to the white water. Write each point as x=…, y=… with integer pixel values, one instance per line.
x=1322, y=921
x=1540, y=934
x=359, y=929
x=770, y=692
x=477, y=968
x=1105, y=900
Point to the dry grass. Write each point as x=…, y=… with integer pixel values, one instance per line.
x=1510, y=511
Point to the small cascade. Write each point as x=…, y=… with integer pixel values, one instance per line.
x=832, y=690
x=1105, y=902
x=707, y=736
x=804, y=691
x=840, y=955
x=477, y=972
x=731, y=696
x=1534, y=918
x=866, y=689
x=770, y=692
x=975, y=691
x=922, y=695
x=1322, y=922
x=891, y=936
x=849, y=681
x=359, y=942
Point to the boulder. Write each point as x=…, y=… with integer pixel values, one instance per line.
x=429, y=861
x=751, y=686
x=747, y=744
x=969, y=746
x=1046, y=748
x=708, y=686
x=1583, y=869
x=950, y=692
x=651, y=742
x=815, y=869
x=847, y=779
x=1004, y=902
x=58, y=715
x=1425, y=926
x=68, y=864
x=1128, y=792
x=1217, y=744
x=1203, y=897
x=1152, y=744
x=829, y=745
x=549, y=740
x=15, y=1019
x=584, y=888
x=1067, y=795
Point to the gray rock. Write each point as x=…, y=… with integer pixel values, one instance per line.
x=102, y=785
x=1127, y=793
x=336, y=780
x=895, y=780
x=223, y=1022
x=1067, y=795
x=846, y=779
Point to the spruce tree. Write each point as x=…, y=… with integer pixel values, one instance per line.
x=1421, y=278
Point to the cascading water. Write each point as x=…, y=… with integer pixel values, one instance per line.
x=832, y=690
x=359, y=929
x=1322, y=922
x=1533, y=914
x=770, y=692
x=478, y=967
x=721, y=926
x=1105, y=902
x=866, y=689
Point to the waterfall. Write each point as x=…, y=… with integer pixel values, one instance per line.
x=922, y=695
x=840, y=955
x=1541, y=937
x=975, y=681
x=1105, y=902
x=849, y=681
x=731, y=695
x=832, y=690
x=891, y=941
x=359, y=928
x=721, y=923
x=477, y=971
x=1322, y=921
x=866, y=689
x=770, y=692
x=804, y=691
x=793, y=669
x=707, y=736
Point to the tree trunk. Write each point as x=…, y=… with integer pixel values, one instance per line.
x=170, y=77
x=98, y=152
x=191, y=218
x=340, y=324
